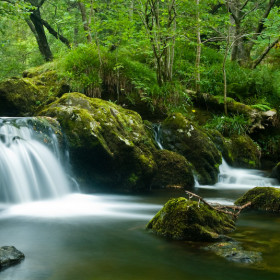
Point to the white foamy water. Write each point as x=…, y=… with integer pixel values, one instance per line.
x=28, y=169
x=238, y=178
x=76, y=205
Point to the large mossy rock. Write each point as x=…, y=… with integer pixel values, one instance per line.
x=180, y=135
x=183, y=219
x=238, y=150
x=23, y=96
x=243, y=152
x=108, y=145
x=262, y=198
x=173, y=171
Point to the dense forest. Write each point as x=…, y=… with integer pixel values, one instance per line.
x=162, y=47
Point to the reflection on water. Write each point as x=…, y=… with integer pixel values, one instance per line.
x=104, y=237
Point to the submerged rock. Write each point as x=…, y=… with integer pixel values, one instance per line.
x=9, y=255
x=173, y=171
x=262, y=198
x=180, y=135
x=183, y=219
x=108, y=145
x=233, y=252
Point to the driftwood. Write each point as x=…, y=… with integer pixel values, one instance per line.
x=232, y=210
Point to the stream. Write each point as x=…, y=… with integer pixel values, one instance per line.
x=66, y=235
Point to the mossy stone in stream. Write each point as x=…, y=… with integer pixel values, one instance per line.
x=238, y=150
x=244, y=152
x=262, y=198
x=180, y=135
x=108, y=144
x=183, y=219
x=174, y=171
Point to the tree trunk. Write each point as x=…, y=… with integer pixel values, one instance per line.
x=85, y=21
x=41, y=38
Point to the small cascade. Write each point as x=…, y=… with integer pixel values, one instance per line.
x=29, y=170
x=238, y=178
x=157, y=131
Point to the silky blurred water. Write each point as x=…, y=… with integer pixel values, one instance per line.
x=104, y=237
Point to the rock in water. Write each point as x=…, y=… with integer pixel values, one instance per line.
x=9, y=255
x=262, y=198
x=183, y=219
x=233, y=252
x=182, y=136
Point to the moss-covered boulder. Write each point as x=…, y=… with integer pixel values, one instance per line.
x=183, y=219
x=108, y=145
x=182, y=136
x=23, y=96
x=174, y=171
x=262, y=198
x=243, y=152
x=238, y=150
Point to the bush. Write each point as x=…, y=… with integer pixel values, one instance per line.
x=229, y=125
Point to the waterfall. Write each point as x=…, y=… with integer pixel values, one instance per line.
x=29, y=170
x=157, y=131
x=239, y=178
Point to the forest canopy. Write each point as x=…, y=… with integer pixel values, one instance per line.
x=228, y=48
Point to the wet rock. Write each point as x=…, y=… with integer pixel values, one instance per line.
x=238, y=150
x=108, y=145
x=180, y=135
x=183, y=219
x=174, y=171
x=233, y=252
x=262, y=198
x=243, y=152
x=9, y=255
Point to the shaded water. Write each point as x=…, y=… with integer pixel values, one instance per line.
x=104, y=237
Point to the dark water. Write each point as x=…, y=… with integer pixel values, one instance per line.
x=104, y=237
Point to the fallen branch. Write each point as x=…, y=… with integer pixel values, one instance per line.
x=220, y=208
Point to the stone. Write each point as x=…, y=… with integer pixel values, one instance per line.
x=108, y=144
x=183, y=219
x=233, y=252
x=262, y=198
x=181, y=136
x=23, y=96
x=9, y=255
x=174, y=171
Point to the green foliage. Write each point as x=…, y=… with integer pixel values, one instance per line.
x=229, y=125
x=81, y=66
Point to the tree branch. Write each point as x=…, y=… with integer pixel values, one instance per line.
x=219, y=207
x=263, y=55
x=53, y=32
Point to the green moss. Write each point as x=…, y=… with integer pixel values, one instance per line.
x=182, y=219
x=244, y=152
x=110, y=142
x=182, y=136
x=23, y=96
x=173, y=171
x=262, y=198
